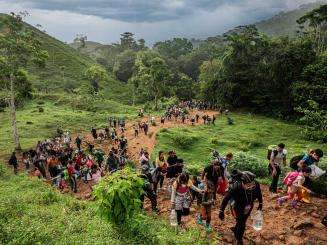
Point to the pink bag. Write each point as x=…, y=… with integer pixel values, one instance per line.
x=290, y=177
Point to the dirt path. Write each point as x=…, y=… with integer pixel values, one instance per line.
x=281, y=225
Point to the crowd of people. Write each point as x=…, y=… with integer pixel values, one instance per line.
x=66, y=163
x=181, y=112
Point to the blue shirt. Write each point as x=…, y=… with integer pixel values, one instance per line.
x=224, y=162
x=308, y=160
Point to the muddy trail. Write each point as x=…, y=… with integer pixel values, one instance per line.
x=282, y=225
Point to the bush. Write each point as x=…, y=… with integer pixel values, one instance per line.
x=183, y=141
x=217, y=142
x=320, y=185
x=193, y=169
x=244, y=161
x=49, y=197
x=315, y=122
x=119, y=196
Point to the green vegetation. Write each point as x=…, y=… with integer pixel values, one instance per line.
x=251, y=134
x=121, y=201
x=34, y=125
x=31, y=212
x=284, y=23
x=64, y=69
x=74, y=91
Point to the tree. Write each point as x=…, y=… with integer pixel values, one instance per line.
x=213, y=86
x=151, y=75
x=124, y=65
x=174, y=48
x=314, y=120
x=96, y=74
x=127, y=41
x=18, y=47
x=81, y=40
x=256, y=72
x=317, y=23
x=190, y=63
x=141, y=44
x=312, y=85
x=185, y=88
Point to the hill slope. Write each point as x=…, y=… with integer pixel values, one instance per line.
x=284, y=23
x=64, y=68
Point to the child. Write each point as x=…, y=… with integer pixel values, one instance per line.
x=180, y=197
x=295, y=181
x=207, y=202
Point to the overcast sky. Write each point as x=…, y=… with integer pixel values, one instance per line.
x=153, y=20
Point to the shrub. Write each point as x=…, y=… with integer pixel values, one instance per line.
x=320, y=185
x=244, y=161
x=49, y=197
x=217, y=142
x=2, y=170
x=183, y=141
x=164, y=130
x=193, y=169
x=119, y=196
x=315, y=122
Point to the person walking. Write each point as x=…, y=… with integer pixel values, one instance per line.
x=13, y=162
x=277, y=158
x=78, y=142
x=161, y=170
x=244, y=191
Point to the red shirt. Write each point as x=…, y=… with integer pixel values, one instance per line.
x=71, y=170
x=79, y=160
x=89, y=163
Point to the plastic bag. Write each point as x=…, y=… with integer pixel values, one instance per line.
x=257, y=221
x=173, y=218
x=316, y=171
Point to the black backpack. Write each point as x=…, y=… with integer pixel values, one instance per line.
x=294, y=161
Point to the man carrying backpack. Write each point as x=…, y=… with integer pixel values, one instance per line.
x=309, y=160
x=243, y=191
x=276, y=159
x=13, y=161
x=212, y=173
x=312, y=158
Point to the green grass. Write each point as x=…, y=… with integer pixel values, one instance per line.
x=34, y=125
x=31, y=212
x=251, y=134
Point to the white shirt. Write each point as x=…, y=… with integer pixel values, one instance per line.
x=278, y=159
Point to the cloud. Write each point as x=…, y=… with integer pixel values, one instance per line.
x=147, y=10
x=153, y=20
x=126, y=10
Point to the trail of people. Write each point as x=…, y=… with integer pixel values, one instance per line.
x=282, y=225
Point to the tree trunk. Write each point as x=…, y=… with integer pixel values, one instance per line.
x=13, y=114
x=156, y=102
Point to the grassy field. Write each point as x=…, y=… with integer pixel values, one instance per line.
x=34, y=125
x=250, y=133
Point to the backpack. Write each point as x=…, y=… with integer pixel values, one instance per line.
x=271, y=149
x=294, y=161
x=290, y=177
